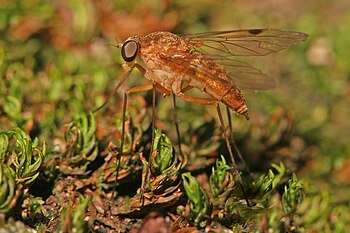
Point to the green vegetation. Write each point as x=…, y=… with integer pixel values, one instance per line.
x=59, y=158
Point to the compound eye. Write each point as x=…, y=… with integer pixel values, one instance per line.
x=129, y=50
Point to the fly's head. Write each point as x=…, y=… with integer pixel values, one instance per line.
x=130, y=48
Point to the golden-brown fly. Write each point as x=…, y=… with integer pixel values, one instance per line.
x=204, y=61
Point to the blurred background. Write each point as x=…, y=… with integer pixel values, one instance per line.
x=58, y=58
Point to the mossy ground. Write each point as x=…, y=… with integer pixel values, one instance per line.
x=57, y=65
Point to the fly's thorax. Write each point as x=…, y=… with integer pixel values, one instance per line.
x=161, y=73
x=154, y=49
x=163, y=43
x=161, y=38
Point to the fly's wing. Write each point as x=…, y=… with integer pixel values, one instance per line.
x=253, y=42
x=222, y=46
x=246, y=76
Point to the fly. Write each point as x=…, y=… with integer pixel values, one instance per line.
x=204, y=61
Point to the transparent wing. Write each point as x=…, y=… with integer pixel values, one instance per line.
x=239, y=73
x=252, y=42
x=246, y=76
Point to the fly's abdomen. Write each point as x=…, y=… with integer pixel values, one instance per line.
x=222, y=88
x=229, y=94
x=235, y=100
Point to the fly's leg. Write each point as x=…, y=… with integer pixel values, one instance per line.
x=232, y=140
x=143, y=88
x=139, y=89
x=128, y=70
x=152, y=87
x=224, y=131
x=176, y=123
x=120, y=154
x=165, y=92
x=197, y=99
x=187, y=88
x=216, y=103
x=228, y=145
x=125, y=100
x=144, y=182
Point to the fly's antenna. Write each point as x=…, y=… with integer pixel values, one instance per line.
x=118, y=45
